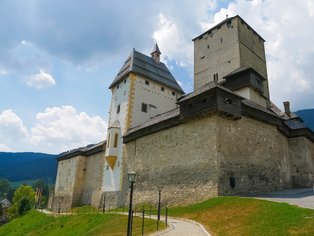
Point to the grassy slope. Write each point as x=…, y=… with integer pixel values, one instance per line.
x=241, y=216
x=36, y=223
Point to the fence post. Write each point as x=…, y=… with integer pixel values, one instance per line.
x=143, y=215
x=166, y=216
x=104, y=204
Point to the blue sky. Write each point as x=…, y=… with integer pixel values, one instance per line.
x=57, y=59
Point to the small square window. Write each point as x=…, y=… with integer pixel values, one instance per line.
x=144, y=107
x=162, y=89
x=173, y=93
x=118, y=109
x=146, y=82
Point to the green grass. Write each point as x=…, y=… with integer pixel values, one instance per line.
x=36, y=223
x=244, y=216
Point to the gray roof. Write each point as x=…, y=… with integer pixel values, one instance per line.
x=5, y=203
x=225, y=21
x=155, y=120
x=147, y=67
x=84, y=151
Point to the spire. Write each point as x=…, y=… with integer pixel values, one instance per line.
x=156, y=53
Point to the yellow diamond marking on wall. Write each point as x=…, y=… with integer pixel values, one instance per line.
x=111, y=161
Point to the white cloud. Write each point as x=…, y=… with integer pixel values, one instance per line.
x=57, y=129
x=172, y=41
x=3, y=71
x=4, y=148
x=13, y=133
x=40, y=80
x=65, y=128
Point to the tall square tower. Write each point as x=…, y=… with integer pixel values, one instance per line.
x=223, y=49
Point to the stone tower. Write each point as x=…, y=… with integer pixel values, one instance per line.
x=227, y=48
x=143, y=88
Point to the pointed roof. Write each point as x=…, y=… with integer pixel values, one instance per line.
x=147, y=67
x=156, y=49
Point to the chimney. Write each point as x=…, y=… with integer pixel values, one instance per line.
x=287, y=108
x=156, y=54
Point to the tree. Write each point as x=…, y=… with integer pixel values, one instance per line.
x=23, y=200
x=24, y=206
x=5, y=188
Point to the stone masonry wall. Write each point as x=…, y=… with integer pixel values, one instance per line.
x=181, y=160
x=302, y=162
x=253, y=155
x=92, y=189
x=65, y=183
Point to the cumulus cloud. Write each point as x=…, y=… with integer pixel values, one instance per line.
x=12, y=130
x=40, y=80
x=57, y=129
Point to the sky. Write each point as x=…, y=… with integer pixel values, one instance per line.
x=58, y=58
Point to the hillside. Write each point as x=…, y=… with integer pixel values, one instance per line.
x=307, y=116
x=27, y=165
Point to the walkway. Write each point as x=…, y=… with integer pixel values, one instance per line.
x=182, y=227
x=300, y=197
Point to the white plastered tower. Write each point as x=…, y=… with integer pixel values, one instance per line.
x=142, y=89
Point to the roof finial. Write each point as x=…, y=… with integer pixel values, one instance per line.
x=156, y=53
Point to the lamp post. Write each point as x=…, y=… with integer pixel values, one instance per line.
x=131, y=179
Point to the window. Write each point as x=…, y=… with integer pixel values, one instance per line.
x=115, y=144
x=108, y=141
x=162, y=89
x=229, y=24
x=118, y=109
x=216, y=77
x=146, y=82
x=207, y=46
x=144, y=107
x=173, y=93
x=118, y=86
x=125, y=81
x=232, y=182
x=221, y=40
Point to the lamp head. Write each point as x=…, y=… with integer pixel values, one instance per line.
x=131, y=177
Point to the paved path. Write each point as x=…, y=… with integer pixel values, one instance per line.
x=300, y=197
x=182, y=227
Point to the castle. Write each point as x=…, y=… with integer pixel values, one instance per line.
x=224, y=138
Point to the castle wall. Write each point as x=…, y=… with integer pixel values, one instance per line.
x=302, y=162
x=253, y=155
x=181, y=160
x=92, y=190
x=67, y=182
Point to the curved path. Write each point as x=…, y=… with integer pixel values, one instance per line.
x=182, y=227
x=303, y=197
